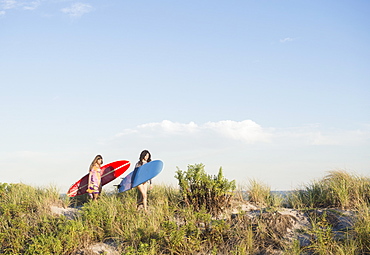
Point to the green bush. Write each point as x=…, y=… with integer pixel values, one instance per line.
x=200, y=190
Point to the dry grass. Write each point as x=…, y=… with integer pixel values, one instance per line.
x=260, y=193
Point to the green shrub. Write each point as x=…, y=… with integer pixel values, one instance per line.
x=200, y=190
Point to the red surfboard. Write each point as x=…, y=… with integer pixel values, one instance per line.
x=109, y=172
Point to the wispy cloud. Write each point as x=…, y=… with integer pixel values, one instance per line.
x=339, y=137
x=77, y=10
x=31, y=5
x=246, y=131
x=249, y=132
x=6, y=5
x=171, y=127
x=287, y=39
x=314, y=135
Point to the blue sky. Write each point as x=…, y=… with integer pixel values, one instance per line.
x=276, y=91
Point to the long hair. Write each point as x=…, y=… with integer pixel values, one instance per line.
x=142, y=156
x=97, y=157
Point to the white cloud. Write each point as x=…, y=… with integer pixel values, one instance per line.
x=171, y=127
x=8, y=4
x=126, y=132
x=287, y=39
x=339, y=137
x=318, y=136
x=249, y=132
x=77, y=10
x=246, y=131
x=31, y=6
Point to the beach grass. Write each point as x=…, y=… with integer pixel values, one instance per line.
x=171, y=226
x=337, y=189
x=259, y=192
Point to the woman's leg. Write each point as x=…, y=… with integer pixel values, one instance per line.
x=139, y=198
x=95, y=196
x=143, y=190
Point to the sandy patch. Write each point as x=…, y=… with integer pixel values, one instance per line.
x=70, y=213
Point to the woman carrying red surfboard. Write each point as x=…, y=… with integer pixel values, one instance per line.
x=94, y=186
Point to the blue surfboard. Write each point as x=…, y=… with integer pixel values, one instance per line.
x=140, y=175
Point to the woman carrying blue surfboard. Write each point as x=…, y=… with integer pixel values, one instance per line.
x=144, y=158
x=145, y=170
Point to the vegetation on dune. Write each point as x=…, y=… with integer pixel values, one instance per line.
x=261, y=193
x=202, y=191
x=338, y=189
x=195, y=218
